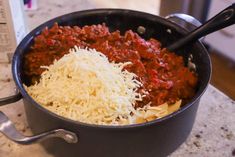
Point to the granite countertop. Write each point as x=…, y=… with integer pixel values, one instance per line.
x=213, y=134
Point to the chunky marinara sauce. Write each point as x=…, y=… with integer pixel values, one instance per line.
x=163, y=74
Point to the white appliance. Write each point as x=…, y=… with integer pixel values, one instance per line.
x=223, y=40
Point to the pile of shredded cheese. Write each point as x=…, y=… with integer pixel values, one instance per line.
x=84, y=86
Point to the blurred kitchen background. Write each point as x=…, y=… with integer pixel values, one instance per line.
x=221, y=45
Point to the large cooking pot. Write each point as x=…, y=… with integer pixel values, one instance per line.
x=156, y=138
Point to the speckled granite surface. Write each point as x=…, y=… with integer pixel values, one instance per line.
x=213, y=134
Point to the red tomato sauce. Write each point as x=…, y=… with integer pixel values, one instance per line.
x=163, y=74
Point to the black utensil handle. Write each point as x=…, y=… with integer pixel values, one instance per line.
x=223, y=19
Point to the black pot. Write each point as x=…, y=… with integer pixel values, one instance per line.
x=156, y=138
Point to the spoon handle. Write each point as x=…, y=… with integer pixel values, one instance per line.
x=221, y=20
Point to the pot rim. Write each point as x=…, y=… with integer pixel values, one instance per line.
x=147, y=16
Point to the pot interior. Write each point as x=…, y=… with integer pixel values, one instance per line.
x=123, y=20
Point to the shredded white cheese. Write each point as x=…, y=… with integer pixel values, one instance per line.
x=84, y=86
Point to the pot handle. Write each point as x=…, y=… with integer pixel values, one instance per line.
x=184, y=20
x=11, y=99
x=9, y=130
